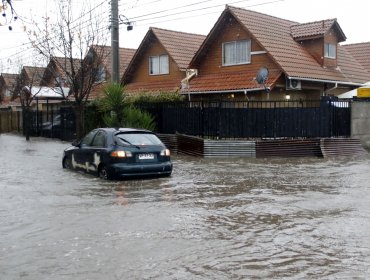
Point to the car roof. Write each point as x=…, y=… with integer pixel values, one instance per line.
x=124, y=129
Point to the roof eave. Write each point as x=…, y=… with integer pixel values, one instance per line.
x=125, y=76
x=245, y=91
x=342, y=37
x=164, y=46
x=324, y=81
x=208, y=37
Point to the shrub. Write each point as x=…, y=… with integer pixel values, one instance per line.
x=162, y=97
x=137, y=118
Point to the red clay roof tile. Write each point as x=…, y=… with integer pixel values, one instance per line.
x=361, y=52
x=274, y=34
x=125, y=56
x=231, y=81
x=311, y=29
x=153, y=86
x=179, y=45
x=9, y=79
x=35, y=74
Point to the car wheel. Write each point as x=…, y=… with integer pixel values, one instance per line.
x=67, y=163
x=103, y=173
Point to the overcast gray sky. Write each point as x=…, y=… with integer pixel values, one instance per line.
x=194, y=16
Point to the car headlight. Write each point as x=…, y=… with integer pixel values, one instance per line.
x=121, y=154
x=165, y=152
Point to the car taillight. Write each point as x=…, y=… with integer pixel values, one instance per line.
x=121, y=154
x=165, y=152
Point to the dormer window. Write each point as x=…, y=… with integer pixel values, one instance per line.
x=236, y=52
x=158, y=65
x=59, y=82
x=330, y=50
x=100, y=75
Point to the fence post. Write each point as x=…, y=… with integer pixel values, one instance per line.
x=202, y=117
x=275, y=120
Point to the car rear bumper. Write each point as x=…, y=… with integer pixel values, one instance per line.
x=138, y=170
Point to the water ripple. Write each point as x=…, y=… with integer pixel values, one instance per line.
x=212, y=219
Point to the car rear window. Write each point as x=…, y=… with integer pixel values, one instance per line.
x=138, y=139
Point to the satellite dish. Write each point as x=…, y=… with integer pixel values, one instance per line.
x=262, y=76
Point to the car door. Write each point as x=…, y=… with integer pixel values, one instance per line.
x=98, y=146
x=81, y=154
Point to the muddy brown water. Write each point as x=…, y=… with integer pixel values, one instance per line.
x=304, y=218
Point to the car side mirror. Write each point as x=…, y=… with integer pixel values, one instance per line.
x=76, y=143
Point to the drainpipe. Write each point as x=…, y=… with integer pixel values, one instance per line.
x=330, y=89
x=190, y=73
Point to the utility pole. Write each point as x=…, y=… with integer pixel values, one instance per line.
x=115, y=41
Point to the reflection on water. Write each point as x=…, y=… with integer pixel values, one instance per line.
x=302, y=218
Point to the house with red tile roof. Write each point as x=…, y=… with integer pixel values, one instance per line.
x=57, y=71
x=31, y=75
x=302, y=61
x=161, y=61
x=102, y=57
x=360, y=51
x=28, y=77
x=96, y=65
x=7, y=86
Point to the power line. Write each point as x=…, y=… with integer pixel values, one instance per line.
x=198, y=15
x=29, y=44
x=176, y=8
x=182, y=12
x=149, y=17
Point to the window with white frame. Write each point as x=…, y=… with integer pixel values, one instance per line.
x=158, y=65
x=330, y=50
x=236, y=52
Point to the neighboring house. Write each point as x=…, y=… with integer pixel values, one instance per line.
x=360, y=51
x=304, y=61
x=13, y=84
x=57, y=71
x=161, y=61
x=56, y=82
x=29, y=79
x=102, y=59
x=7, y=86
x=31, y=75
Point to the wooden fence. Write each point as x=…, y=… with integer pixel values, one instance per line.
x=10, y=121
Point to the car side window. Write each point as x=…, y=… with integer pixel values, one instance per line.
x=99, y=140
x=88, y=138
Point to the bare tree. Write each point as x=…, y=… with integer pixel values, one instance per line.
x=7, y=5
x=72, y=39
x=26, y=90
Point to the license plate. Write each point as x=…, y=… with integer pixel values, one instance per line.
x=146, y=156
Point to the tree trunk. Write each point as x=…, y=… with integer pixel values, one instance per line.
x=26, y=122
x=79, y=113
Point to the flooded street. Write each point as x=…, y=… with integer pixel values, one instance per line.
x=212, y=219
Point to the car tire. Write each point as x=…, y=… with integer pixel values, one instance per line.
x=103, y=173
x=67, y=163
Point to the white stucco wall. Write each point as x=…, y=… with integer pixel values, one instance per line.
x=360, y=122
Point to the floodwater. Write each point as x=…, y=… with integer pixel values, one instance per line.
x=212, y=219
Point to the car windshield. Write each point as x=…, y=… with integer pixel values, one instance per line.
x=138, y=139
